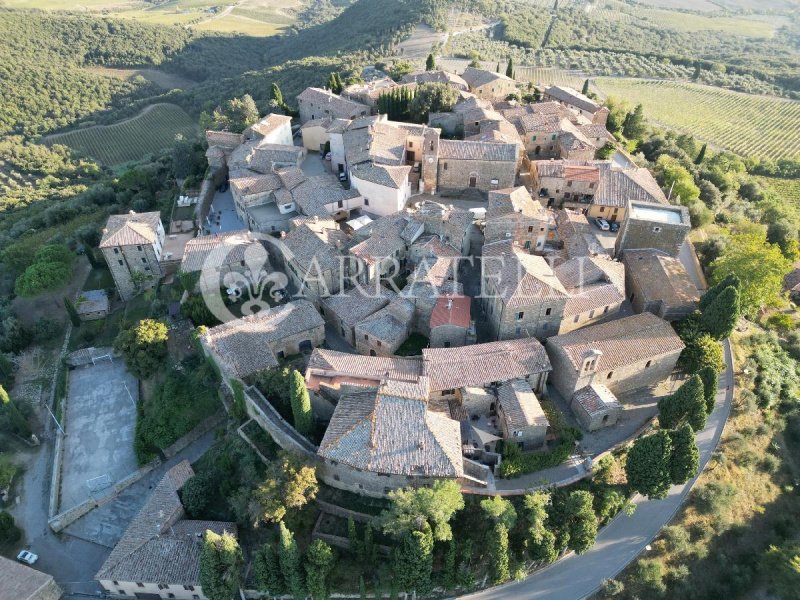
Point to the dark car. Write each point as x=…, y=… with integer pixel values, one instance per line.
x=615, y=226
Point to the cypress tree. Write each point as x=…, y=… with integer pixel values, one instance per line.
x=685, y=459
x=72, y=312
x=413, y=561
x=267, y=571
x=289, y=559
x=449, y=570
x=368, y=546
x=362, y=588
x=686, y=405
x=301, y=404
x=352, y=537
x=648, y=465
x=710, y=381
x=510, y=68
x=585, y=88
x=701, y=155
x=498, y=554
x=582, y=522
x=720, y=316
x=18, y=421
x=430, y=63
x=319, y=564
x=715, y=290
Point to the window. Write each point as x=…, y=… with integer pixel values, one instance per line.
x=336, y=478
x=120, y=262
x=115, y=582
x=517, y=331
x=567, y=195
x=647, y=365
x=431, y=144
x=366, y=337
x=548, y=311
x=444, y=166
x=656, y=229
x=340, y=204
x=602, y=209
x=379, y=343
x=577, y=318
x=447, y=344
x=591, y=186
x=139, y=248
x=189, y=588
x=533, y=138
x=139, y=584
x=527, y=244
x=554, y=137
x=530, y=228
x=366, y=201
x=610, y=373
x=569, y=184
x=144, y=260
x=116, y=250
x=520, y=315
x=591, y=314
x=410, y=144
x=147, y=268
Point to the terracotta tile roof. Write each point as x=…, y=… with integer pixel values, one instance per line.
x=478, y=77
x=514, y=200
x=519, y=279
x=224, y=139
x=573, y=97
x=244, y=346
x=149, y=550
x=622, y=342
x=248, y=183
x=91, y=301
x=432, y=246
x=315, y=193
x=484, y=151
x=586, y=270
x=617, y=187
x=20, y=582
x=267, y=125
x=390, y=325
x=392, y=431
x=337, y=125
x=325, y=99
x=520, y=405
x=378, y=142
x=266, y=157
x=314, y=251
x=374, y=368
x=451, y=310
x=592, y=297
x=660, y=277
x=596, y=398
x=325, y=123
x=290, y=177
x=581, y=173
x=230, y=247
x=356, y=304
x=131, y=229
x=386, y=175
x=576, y=233
x=481, y=364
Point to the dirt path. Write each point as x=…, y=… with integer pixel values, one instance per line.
x=219, y=15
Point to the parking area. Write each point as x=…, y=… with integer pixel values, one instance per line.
x=100, y=422
x=223, y=216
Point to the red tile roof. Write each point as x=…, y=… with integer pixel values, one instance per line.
x=451, y=310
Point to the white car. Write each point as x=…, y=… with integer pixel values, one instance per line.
x=602, y=224
x=27, y=557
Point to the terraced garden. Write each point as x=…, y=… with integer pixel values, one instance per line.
x=151, y=130
x=747, y=124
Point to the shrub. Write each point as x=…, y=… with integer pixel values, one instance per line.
x=9, y=532
x=649, y=573
x=676, y=539
x=195, y=495
x=714, y=497
x=515, y=463
x=781, y=321
x=611, y=588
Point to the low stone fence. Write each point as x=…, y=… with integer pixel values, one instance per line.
x=346, y=513
x=339, y=541
x=271, y=421
x=59, y=521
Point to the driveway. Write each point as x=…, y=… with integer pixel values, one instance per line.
x=223, y=216
x=623, y=539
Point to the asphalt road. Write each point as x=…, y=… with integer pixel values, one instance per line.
x=623, y=539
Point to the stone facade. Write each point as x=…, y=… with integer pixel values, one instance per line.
x=649, y=225
x=316, y=103
x=448, y=336
x=368, y=483
x=456, y=175
x=536, y=318
x=595, y=407
x=135, y=267
x=659, y=284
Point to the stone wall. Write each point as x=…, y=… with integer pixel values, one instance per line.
x=454, y=175
x=123, y=261
x=640, y=233
x=535, y=322
x=588, y=318
x=448, y=336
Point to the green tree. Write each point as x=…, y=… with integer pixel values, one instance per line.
x=301, y=404
x=143, y=346
x=320, y=560
x=288, y=484
x=720, y=317
x=701, y=155
x=51, y=269
x=710, y=380
x=702, y=351
x=449, y=580
x=759, y=265
x=72, y=312
x=19, y=424
x=585, y=88
x=220, y=566
x=498, y=553
x=276, y=98
x=352, y=537
x=581, y=521
x=241, y=112
x=510, y=68
x=685, y=459
x=634, y=126
x=677, y=180
x=413, y=560
x=686, y=405
x=432, y=98
x=648, y=465
x=267, y=571
x=289, y=560
x=540, y=541
x=368, y=546
x=195, y=495
x=434, y=506
x=430, y=63
x=500, y=510
x=711, y=293
x=781, y=567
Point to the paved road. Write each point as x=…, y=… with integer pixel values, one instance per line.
x=621, y=541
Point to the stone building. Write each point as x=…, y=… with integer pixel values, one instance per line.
x=389, y=438
x=381, y=247
x=650, y=225
x=383, y=332
x=317, y=103
x=658, y=283
x=595, y=407
x=522, y=419
x=158, y=556
x=21, y=582
x=488, y=84
x=92, y=305
x=596, y=288
x=618, y=187
x=522, y=296
x=343, y=311
x=220, y=146
x=566, y=183
x=272, y=129
x=132, y=245
x=513, y=215
x=451, y=79
x=313, y=258
x=578, y=237
x=450, y=324
x=625, y=355
x=482, y=166
x=368, y=92
x=384, y=188
x=222, y=252
x=259, y=341
x=578, y=102
x=315, y=134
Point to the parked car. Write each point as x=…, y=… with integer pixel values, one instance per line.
x=602, y=223
x=27, y=557
x=615, y=226
x=417, y=167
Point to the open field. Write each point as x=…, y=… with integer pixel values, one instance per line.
x=787, y=189
x=743, y=123
x=167, y=81
x=150, y=131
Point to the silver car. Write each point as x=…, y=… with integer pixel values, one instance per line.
x=27, y=557
x=602, y=223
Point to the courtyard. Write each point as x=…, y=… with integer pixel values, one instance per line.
x=100, y=421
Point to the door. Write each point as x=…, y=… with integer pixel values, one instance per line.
x=473, y=181
x=410, y=156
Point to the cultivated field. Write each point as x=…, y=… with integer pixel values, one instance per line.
x=167, y=81
x=151, y=130
x=747, y=124
x=787, y=189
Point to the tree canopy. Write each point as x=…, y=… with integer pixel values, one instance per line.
x=288, y=484
x=220, y=566
x=685, y=459
x=301, y=404
x=413, y=508
x=686, y=405
x=432, y=98
x=648, y=465
x=143, y=347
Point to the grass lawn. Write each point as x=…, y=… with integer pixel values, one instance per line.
x=413, y=345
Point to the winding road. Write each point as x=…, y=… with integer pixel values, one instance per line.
x=624, y=538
